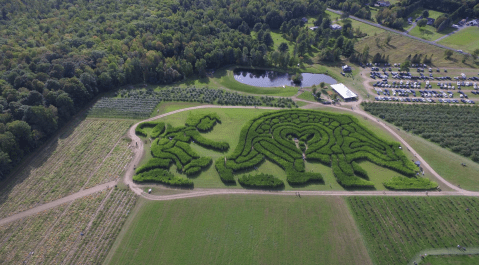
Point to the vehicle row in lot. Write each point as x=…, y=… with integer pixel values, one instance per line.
x=424, y=100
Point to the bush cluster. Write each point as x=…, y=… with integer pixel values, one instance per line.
x=154, y=163
x=162, y=176
x=412, y=183
x=333, y=139
x=158, y=128
x=260, y=181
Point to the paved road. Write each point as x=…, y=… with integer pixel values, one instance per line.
x=392, y=30
x=56, y=203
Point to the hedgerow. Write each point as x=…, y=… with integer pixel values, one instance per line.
x=162, y=176
x=226, y=174
x=414, y=183
x=333, y=139
x=158, y=128
x=260, y=181
x=154, y=163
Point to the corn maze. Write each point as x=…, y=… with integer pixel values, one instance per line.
x=173, y=146
x=290, y=137
x=397, y=228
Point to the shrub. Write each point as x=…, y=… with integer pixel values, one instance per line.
x=226, y=174
x=154, y=163
x=300, y=178
x=196, y=165
x=158, y=128
x=359, y=171
x=162, y=176
x=413, y=183
x=260, y=181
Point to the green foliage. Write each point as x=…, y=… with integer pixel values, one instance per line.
x=226, y=174
x=330, y=137
x=162, y=176
x=154, y=163
x=260, y=181
x=158, y=128
x=413, y=183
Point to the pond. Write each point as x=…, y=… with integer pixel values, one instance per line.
x=267, y=78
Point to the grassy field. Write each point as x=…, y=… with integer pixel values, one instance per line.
x=429, y=32
x=400, y=47
x=450, y=259
x=466, y=40
x=241, y=230
x=397, y=228
x=54, y=235
x=81, y=153
x=307, y=95
x=229, y=129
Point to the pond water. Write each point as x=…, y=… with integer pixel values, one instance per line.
x=267, y=78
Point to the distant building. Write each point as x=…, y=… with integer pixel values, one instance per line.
x=336, y=27
x=384, y=3
x=346, y=69
x=409, y=20
x=472, y=23
x=344, y=92
x=462, y=22
x=430, y=21
x=313, y=28
x=418, y=18
x=305, y=20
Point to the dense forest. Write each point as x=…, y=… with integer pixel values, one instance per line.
x=57, y=55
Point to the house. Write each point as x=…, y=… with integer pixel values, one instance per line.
x=305, y=20
x=418, y=18
x=336, y=27
x=472, y=23
x=344, y=92
x=462, y=22
x=430, y=21
x=383, y=3
x=409, y=20
x=313, y=28
x=346, y=69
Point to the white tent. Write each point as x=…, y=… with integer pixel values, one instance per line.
x=344, y=92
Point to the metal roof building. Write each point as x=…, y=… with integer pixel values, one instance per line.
x=344, y=92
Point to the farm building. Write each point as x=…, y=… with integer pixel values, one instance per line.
x=344, y=92
x=336, y=27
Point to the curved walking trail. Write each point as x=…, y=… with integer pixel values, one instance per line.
x=138, y=151
x=443, y=251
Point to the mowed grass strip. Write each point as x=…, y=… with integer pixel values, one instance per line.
x=450, y=259
x=466, y=40
x=238, y=229
x=397, y=228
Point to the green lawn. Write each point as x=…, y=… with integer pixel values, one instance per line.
x=429, y=32
x=307, y=95
x=466, y=40
x=450, y=259
x=237, y=229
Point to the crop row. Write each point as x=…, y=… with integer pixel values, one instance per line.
x=289, y=137
x=64, y=167
x=397, y=228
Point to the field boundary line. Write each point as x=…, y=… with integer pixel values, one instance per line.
x=443, y=251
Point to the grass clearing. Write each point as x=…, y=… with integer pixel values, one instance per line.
x=400, y=47
x=397, y=228
x=241, y=230
x=66, y=164
x=466, y=40
x=307, y=95
x=429, y=32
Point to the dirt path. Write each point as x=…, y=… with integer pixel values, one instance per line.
x=61, y=201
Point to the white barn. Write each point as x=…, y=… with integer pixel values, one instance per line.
x=344, y=92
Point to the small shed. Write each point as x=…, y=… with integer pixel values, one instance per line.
x=346, y=69
x=313, y=28
x=336, y=27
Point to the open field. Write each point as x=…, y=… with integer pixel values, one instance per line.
x=54, y=235
x=89, y=150
x=397, y=228
x=307, y=95
x=429, y=32
x=450, y=259
x=466, y=40
x=241, y=230
x=400, y=47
